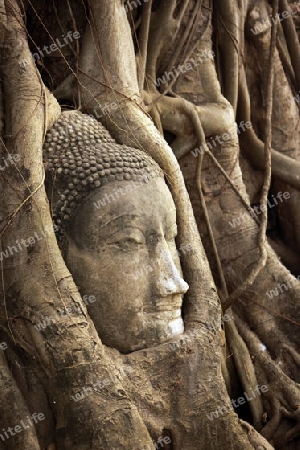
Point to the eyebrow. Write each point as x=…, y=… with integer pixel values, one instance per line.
x=120, y=218
x=113, y=225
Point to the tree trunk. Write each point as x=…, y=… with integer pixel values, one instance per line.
x=180, y=74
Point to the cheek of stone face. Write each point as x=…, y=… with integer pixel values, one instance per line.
x=124, y=312
x=120, y=299
x=123, y=280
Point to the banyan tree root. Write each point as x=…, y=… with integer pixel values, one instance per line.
x=282, y=400
x=15, y=413
x=257, y=440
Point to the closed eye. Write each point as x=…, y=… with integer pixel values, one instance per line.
x=129, y=237
x=128, y=244
x=133, y=242
x=129, y=241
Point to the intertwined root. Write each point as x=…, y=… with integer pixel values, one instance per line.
x=282, y=400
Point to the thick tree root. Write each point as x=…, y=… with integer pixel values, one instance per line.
x=245, y=369
x=13, y=411
x=257, y=440
x=282, y=401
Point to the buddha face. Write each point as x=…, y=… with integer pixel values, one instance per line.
x=121, y=249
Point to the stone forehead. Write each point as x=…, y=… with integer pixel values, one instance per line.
x=80, y=156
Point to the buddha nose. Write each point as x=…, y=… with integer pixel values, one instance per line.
x=168, y=278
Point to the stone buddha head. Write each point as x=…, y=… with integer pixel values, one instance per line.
x=117, y=228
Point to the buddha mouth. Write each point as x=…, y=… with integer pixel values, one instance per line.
x=169, y=305
x=168, y=315
x=171, y=317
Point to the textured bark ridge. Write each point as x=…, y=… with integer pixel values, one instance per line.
x=168, y=79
